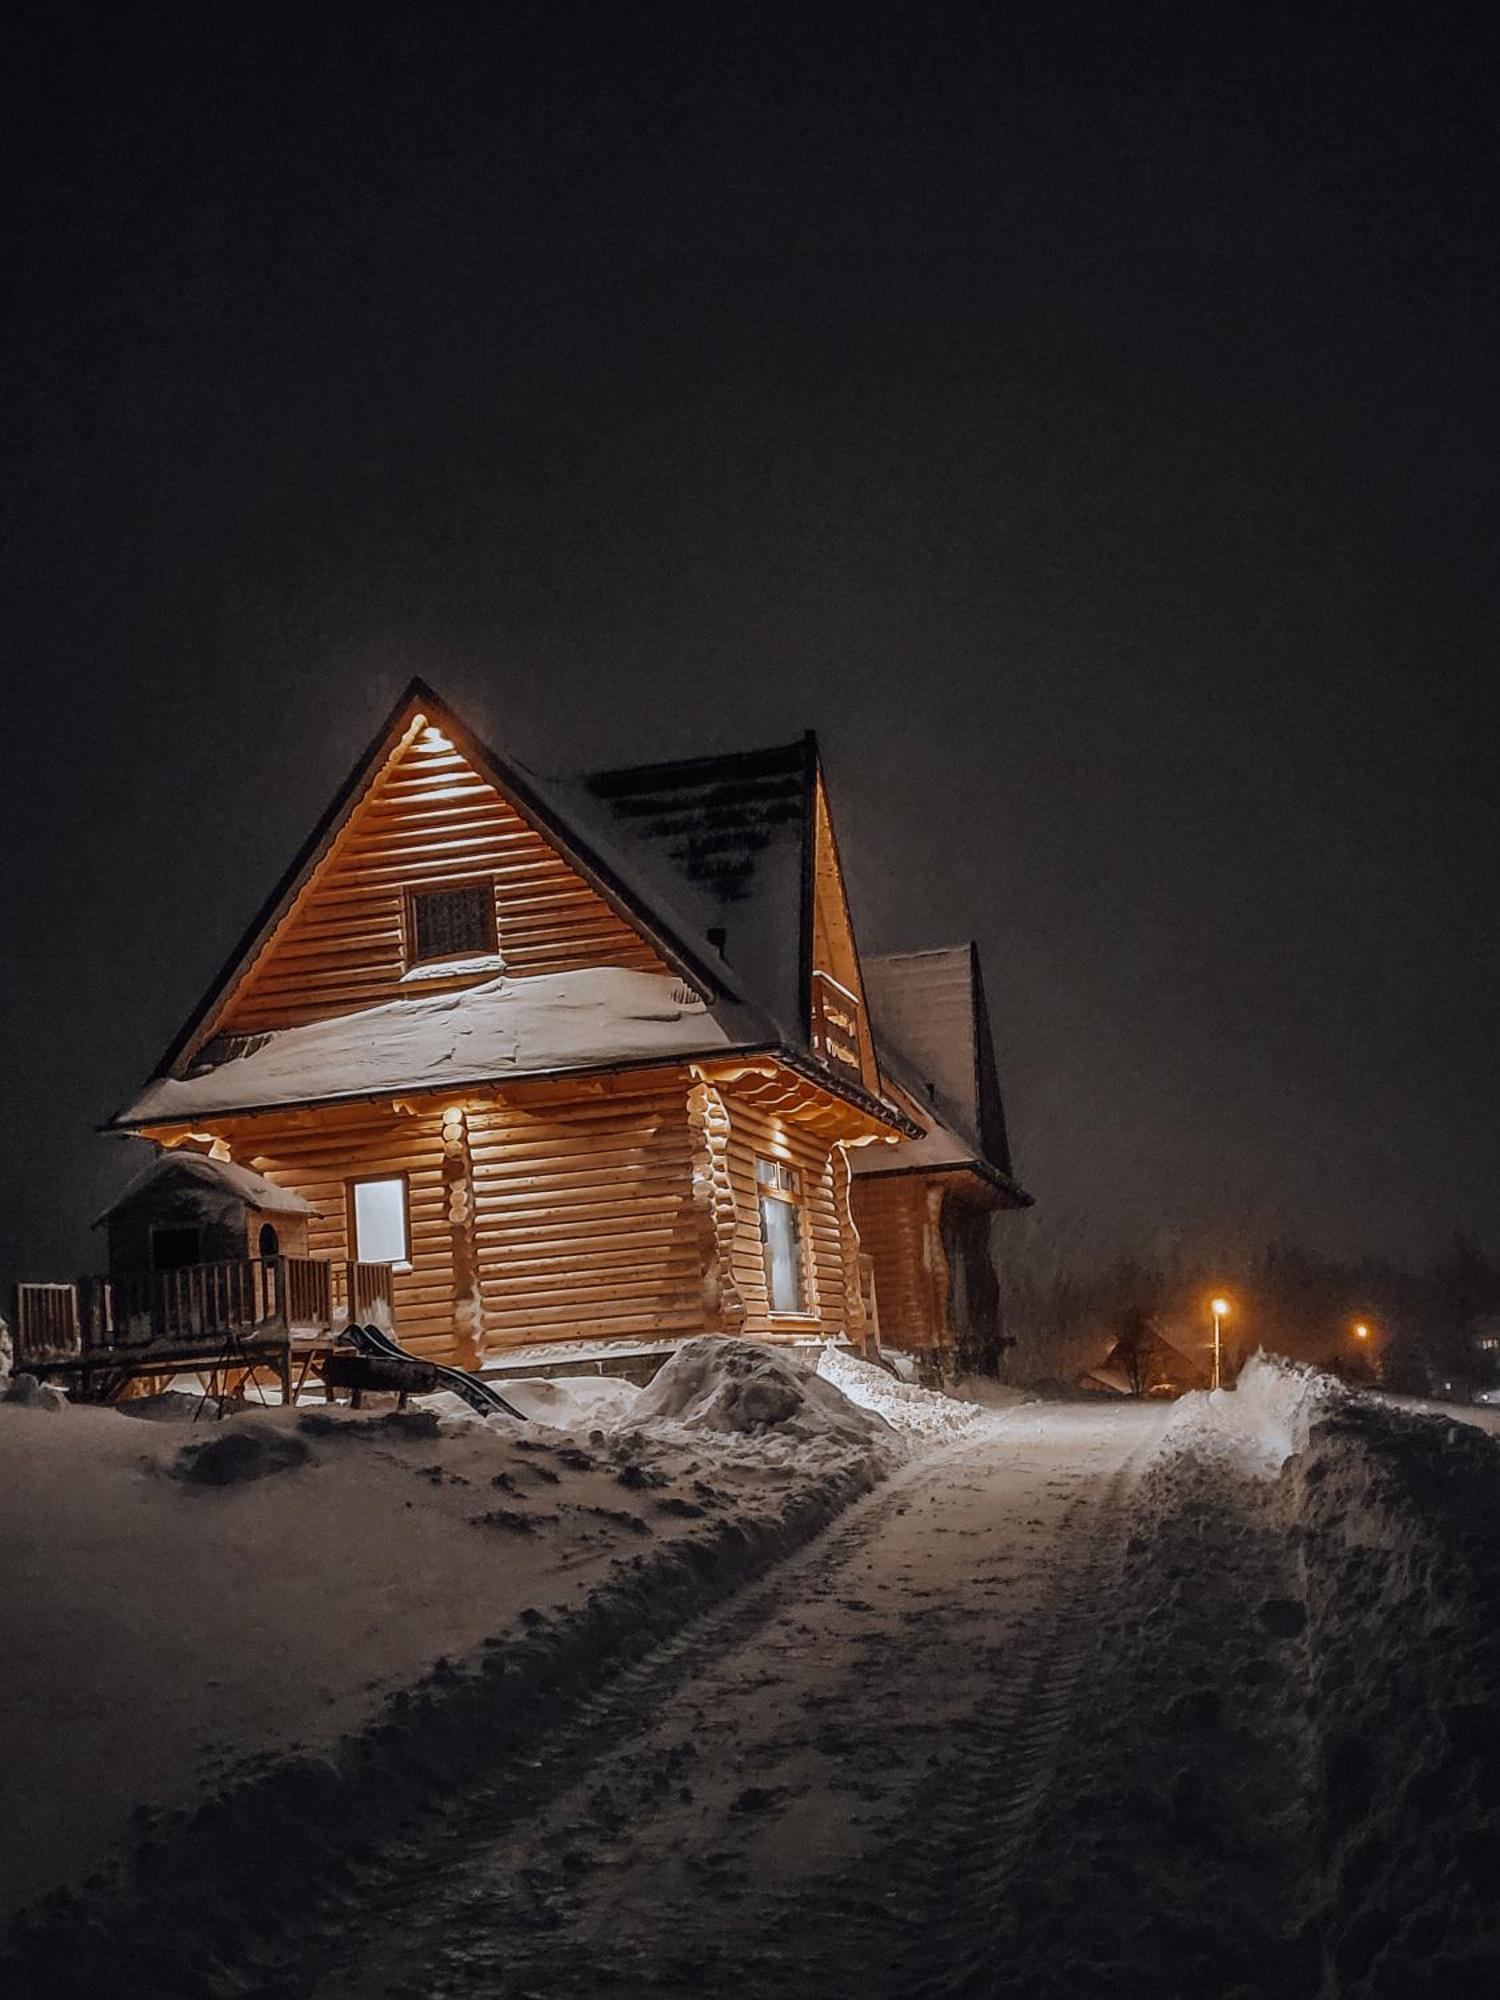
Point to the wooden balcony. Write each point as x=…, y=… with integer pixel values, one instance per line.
x=835, y=1025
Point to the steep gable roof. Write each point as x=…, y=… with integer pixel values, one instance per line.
x=711, y=860
x=933, y=1030
x=418, y=707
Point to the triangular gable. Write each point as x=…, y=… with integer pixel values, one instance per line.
x=426, y=804
x=838, y=1013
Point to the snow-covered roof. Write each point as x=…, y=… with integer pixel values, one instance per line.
x=720, y=846
x=710, y=858
x=504, y=1029
x=253, y=1189
x=932, y=1033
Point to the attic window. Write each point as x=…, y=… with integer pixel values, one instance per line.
x=451, y=922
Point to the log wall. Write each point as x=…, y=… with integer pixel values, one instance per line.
x=319, y=1152
x=585, y=1221
x=753, y=1131
x=429, y=819
x=897, y=1219
x=625, y=1208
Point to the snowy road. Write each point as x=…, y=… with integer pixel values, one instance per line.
x=1092, y=1703
x=835, y=1785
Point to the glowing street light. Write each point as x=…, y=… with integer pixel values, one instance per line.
x=1360, y=1330
x=1219, y=1308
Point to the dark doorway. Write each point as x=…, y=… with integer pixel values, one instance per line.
x=174, y=1248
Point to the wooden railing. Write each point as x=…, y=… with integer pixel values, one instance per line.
x=835, y=1024
x=46, y=1323
x=305, y=1288
x=368, y=1290
x=198, y=1303
x=201, y=1300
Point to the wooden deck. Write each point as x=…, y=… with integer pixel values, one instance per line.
x=225, y=1322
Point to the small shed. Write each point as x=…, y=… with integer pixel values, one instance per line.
x=188, y=1208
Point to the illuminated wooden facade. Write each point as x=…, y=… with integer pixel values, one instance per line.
x=585, y=1063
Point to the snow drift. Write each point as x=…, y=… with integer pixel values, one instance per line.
x=735, y=1386
x=1326, y=1565
x=916, y=1412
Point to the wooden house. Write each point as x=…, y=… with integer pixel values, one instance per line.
x=581, y=1062
x=925, y=1210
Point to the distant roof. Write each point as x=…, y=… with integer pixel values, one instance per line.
x=932, y=1031
x=253, y=1189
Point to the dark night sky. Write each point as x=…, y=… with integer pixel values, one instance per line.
x=1084, y=418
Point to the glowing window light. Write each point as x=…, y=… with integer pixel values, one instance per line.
x=379, y=1213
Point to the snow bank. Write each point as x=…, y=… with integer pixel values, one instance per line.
x=1327, y=1564
x=241, y=1637
x=914, y=1411
x=1268, y=1415
x=1396, y=1515
x=738, y=1387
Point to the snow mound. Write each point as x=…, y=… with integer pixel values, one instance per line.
x=236, y=1456
x=1266, y=1418
x=30, y=1393
x=168, y=1406
x=916, y=1412
x=718, y=1384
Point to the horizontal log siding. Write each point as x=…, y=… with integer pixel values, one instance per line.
x=897, y=1232
x=429, y=819
x=584, y=1218
x=317, y=1154
x=752, y=1132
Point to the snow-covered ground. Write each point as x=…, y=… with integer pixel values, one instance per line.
x=185, y=1600
x=1076, y=1700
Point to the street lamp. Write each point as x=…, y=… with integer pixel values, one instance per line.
x=1360, y=1330
x=1218, y=1307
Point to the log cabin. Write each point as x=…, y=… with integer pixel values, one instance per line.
x=585, y=1063
x=925, y=1210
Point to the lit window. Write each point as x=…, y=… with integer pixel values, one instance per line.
x=450, y=923
x=378, y=1214
x=781, y=1235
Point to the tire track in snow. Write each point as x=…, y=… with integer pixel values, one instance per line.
x=935, y=1917
x=775, y=1798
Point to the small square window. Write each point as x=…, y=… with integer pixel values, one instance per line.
x=451, y=923
x=377, y=1221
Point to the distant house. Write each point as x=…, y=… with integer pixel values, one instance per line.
x=575, y=1062
x=925, y=1209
